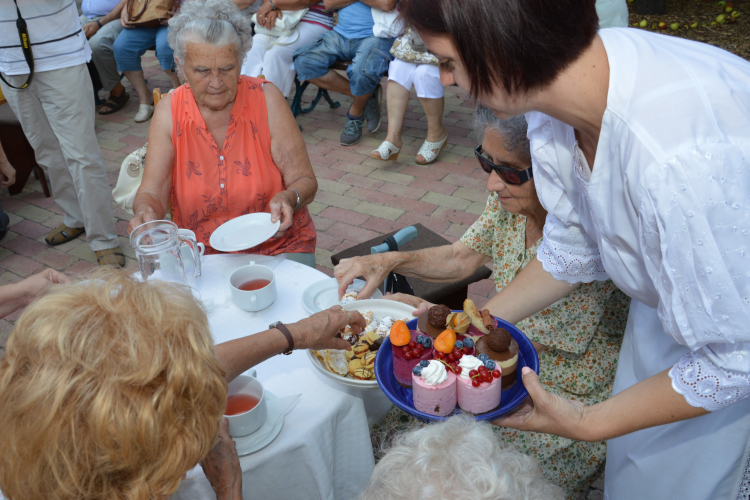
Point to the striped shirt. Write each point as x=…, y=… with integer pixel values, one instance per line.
x=319, y=15
x=46, y=20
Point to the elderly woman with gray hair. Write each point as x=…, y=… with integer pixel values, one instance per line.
x=225, y=145
x=456, y=459
x=578, y=338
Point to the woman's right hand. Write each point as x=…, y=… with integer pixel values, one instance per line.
x=262, y=13
x=125, y=18
x=373, y=268
x=144, y=214
x=222, y=466
x=271, y=19
x=321, y=330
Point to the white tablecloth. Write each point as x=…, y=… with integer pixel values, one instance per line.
x=324, y=450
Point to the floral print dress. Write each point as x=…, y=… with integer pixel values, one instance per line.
x=583, y=332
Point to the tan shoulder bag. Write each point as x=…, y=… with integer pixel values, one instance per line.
x=148, y=13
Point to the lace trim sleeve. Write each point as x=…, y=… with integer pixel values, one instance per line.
x=705, y=385
x=568, y=256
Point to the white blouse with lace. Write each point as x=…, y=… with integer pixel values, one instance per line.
x=665, y=211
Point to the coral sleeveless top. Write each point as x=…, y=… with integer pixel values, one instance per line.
x=211, y=186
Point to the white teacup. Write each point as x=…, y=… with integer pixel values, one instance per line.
x=253, y=300
x=250, y=421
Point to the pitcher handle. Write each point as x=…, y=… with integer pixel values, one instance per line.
x=194, y=251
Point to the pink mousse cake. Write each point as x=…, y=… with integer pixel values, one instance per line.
x=480, y=399
x=402, y=367
x=434, y=398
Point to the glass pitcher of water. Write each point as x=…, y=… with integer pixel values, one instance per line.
x=157, y=246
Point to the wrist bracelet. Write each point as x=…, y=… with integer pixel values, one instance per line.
x=299, y=200
x=99, y=23
x=272, y=5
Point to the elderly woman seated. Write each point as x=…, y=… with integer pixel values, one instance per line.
x=112, y=389
x=578, y=338
x=457, y=459
x=225, y=145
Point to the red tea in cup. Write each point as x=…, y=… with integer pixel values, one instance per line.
x=251, y=285
x=240, y=403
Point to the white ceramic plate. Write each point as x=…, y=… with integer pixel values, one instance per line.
x=250, y=444
x=243, y=232
x=380, y=308
x=324, y=294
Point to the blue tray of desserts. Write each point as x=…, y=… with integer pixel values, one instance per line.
x=509, y=400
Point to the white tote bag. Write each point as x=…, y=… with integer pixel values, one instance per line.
x=129, y=180
x=387, y=24
x=284, y=26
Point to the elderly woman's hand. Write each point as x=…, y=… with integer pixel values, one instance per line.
x=271, y=18
x=263, y=12
x=222, y=466
x=125, y=18
x=282, y=208
x=373, y=268
x=145, y=214
x=321, y=330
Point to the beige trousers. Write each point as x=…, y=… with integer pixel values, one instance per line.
x=57, y=115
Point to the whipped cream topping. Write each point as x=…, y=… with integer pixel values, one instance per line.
x=434, y=373
x=468, y=363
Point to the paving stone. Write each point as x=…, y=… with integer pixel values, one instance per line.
x=350, y=232
x=472, y=194
x=382, y=226
x=402, y=191
x=25, y=246
x=321, y=224
x=410, y=218
x=424, y=172
x=81, y=269
x=11, y=204
x=456, y=230
x=429, y=185
x=336, y=200
x=83, y=252
x=327, y=241
x=34, y=198
x=315, y=207
x=368, y=208
x=410, y=205
x=29, y=228
x=361, y=181
x=20, y=265
x=457, y=216
x=479, y=184
x=353, y=168
x=34, y=213
x=7, y=278
x=392, y=177
x=341, y=215
x=476, y=208
x=369, y=195
x=56, y=259
x=333, y=186
x=323, y=258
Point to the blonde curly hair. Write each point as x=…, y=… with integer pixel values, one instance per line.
x=109, y=389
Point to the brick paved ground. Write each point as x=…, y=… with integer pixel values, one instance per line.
x=358, y=198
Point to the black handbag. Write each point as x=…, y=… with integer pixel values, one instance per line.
x=396, y=283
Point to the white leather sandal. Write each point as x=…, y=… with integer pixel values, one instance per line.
x=431, y=150
x=387, y=151
x=144, y=113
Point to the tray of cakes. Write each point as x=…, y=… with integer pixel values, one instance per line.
x=449, y=362
x=356, y=367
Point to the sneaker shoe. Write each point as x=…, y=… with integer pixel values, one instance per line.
x=352, y=132
x=372, y=110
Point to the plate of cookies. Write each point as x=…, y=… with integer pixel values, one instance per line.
x=450, y=362
x=356, y=367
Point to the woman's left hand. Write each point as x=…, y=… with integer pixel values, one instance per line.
x=282, y=208
x=271, y=19
x=222, y=466
x=545, y=412
x=262, y=13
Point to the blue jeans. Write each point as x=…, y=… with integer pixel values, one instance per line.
x=132, y=43
x=370, y=58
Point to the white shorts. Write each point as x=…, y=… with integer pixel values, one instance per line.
x=424, y=77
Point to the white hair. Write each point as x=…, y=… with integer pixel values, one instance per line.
x=214, y=22
x=457, y=459
x=512, y=131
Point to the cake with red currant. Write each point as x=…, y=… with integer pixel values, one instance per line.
x=478, y=384
x=500, y=347
x=409, y=348
x=434, y=388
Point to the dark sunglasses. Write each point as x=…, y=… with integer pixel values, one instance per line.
x=509, y=175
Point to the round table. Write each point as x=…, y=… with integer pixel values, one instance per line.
x=324, y=449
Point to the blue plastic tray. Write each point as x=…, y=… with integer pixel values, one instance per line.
x=402, y=397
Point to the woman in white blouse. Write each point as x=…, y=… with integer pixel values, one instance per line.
x=640, y=146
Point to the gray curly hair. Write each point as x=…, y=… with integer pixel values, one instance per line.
x=215, y=22
x=458, y=459
x=512, y=130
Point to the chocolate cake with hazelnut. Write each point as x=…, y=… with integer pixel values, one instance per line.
x=500, y=347
x=432, y=322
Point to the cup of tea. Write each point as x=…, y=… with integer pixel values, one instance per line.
x=246, y=406
x=253, y=287
x=186, y=254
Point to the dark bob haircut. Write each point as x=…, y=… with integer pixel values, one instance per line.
x=519, y=44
